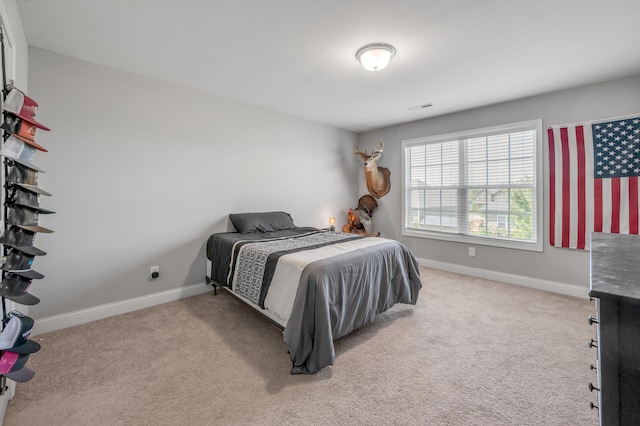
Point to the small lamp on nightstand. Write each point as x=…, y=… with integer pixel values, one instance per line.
x=332, y=223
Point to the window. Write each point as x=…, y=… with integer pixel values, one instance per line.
x=480, y=186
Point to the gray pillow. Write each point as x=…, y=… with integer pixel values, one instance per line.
x=261, y=222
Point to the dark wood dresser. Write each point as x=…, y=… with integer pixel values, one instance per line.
x=615, y=287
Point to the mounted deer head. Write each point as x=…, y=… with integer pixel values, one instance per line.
x=378, y=182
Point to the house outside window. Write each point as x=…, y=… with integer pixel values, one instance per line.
x=482, y=186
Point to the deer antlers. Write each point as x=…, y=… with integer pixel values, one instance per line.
x=364, y=155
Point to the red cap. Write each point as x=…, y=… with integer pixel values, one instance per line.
x=23, y=106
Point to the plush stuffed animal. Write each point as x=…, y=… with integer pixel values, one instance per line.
x=353, y=225
x=359, y=220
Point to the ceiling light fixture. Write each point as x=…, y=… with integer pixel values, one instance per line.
x=375, y=56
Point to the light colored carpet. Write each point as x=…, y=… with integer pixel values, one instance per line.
x=471, y=352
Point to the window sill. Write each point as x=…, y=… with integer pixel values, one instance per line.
x=468, y=239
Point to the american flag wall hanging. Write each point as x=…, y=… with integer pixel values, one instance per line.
x=593, y=180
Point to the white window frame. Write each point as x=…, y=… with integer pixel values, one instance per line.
x=502, y=218
x=537, y=245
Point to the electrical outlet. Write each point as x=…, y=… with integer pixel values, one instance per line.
x=472, y=251
x=154, y=272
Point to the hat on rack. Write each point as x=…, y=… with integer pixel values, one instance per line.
x=14, y=125
x=20, y=239
x=12, y=365
x=20, y=263
x=16, y=288
x=18, y=173
x=19, y=104
x=31, y=188
x=24, y=177
x=22, y=129
x=18, y=196
x=15, y=335
x=25, y=218
x=19, y=152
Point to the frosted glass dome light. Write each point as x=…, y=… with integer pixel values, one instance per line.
x=375, y=56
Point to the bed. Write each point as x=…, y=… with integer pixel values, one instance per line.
x=316, y=285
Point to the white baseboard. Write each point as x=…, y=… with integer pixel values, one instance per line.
x=58, y=322
x=539, y=284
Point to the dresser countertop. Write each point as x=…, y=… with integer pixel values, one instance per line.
x=615, y=265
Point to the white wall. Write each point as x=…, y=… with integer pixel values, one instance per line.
x=142, y=172
x=562, y=266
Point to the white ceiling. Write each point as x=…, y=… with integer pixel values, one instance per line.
x=298, y=56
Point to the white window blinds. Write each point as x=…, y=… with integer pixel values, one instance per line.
x=480, y=184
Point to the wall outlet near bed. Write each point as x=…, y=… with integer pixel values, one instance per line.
x=154, y=272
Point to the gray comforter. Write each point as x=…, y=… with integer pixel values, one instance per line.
x=335, y=295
